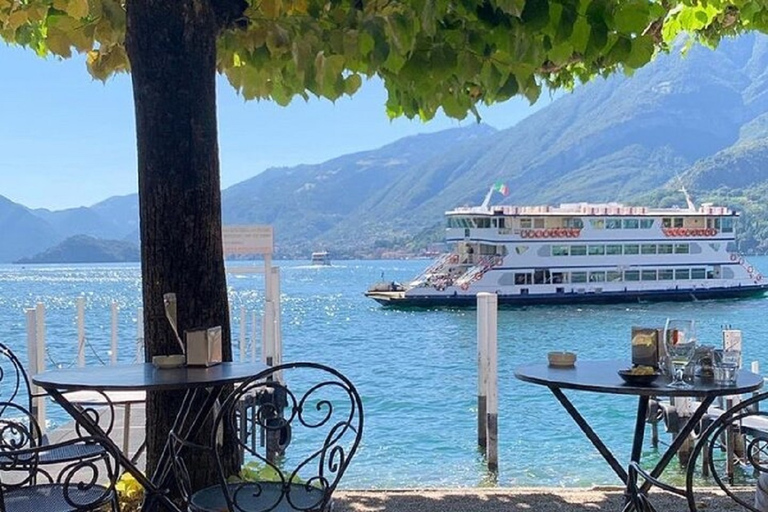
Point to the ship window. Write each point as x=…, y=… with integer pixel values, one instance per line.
x=682, y=249
x=576, y=223
x=682, y=273
x=698, y=273
x=677, y=222
x=538, y=224
x=613, y=275
x=597, y=277
x=596, y=250
x=612, y=249
x=648, y=249
x=523, y=278
x=727, y=225
x=558, y=277
x=666, y=222
x=597, y=223
x=631, y=249
x=463, y=222
x=648, y=275
x=631, y=223
x=482, y=222
x=631, y=275
x=666, y=274
x=578, y=277
x=526, y=224
x=646, y=223
x=578, y=250
x=665, y=248
x=559, y=250
x=612, y=223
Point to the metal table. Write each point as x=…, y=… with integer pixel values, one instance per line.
x=602, y=377
x=200, y=384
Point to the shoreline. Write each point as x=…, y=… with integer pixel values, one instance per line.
x=538, y=499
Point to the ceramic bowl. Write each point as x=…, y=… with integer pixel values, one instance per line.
x=562, y=359
x=638, y=379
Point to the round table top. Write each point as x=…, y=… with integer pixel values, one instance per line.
x=135, y=377
x=603, y=377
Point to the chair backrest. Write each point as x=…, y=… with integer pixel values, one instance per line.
x=15, y=390
x=19, y=435
x=14, y=381
x=299, y=426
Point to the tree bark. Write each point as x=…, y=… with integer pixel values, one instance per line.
x=172, y=50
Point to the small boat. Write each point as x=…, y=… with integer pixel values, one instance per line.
x=320, y=258
x=582, y=253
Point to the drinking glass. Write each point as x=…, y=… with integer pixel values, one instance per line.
x=680, y=344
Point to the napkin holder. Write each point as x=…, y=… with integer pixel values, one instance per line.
x=203, y=346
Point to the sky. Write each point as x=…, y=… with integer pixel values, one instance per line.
x=67, y=140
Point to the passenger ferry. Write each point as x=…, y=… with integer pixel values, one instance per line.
x=320, y=258
x=582, y=253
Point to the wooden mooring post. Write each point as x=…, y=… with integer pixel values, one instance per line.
x=36, y=357
x=487, y=390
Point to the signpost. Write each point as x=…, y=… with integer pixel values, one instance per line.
x=248, y=240
x=254, y=240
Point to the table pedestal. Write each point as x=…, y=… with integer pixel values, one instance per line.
x=637, y=496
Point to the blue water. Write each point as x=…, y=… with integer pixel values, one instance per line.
x=416, y=370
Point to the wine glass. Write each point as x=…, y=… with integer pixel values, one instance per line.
x=680, y=344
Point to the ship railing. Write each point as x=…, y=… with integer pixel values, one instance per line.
x=437, y=266
x=483, y=265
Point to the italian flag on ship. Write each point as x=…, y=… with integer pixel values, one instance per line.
x=501, y=188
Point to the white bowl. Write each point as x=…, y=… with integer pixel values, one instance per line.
x=172, y=361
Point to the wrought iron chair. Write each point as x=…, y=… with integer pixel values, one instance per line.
x=298, y=426
x=24, y=487
x=15, y=390
x=733, y=451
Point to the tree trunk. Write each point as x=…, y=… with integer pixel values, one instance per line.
x=172, y=51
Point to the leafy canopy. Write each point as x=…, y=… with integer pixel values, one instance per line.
x=431, y=54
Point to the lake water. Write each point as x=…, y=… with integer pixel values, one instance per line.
x=416, y=370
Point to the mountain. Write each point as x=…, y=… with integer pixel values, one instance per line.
x=87, y=249
x=699, y=120
x=681, y=118
x=22, y=232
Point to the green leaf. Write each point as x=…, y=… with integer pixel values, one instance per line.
x=561, y=53
x=352, y=83
x=511, y=7
x=535, y=15
x=632, y=16
x=78, y=9
x=642, y=52
x=580, y=36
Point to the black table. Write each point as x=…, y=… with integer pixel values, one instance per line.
x=202, y=386
x=602, y=377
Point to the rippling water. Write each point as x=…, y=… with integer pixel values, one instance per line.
x=416, y=370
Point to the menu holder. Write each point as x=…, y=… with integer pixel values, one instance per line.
x=645, y=346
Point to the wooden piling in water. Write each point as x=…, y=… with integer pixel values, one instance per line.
x=81, y=331
x=482, y=378
x=488, y=420
x=113, y=339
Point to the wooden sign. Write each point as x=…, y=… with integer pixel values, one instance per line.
x=247, y=239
